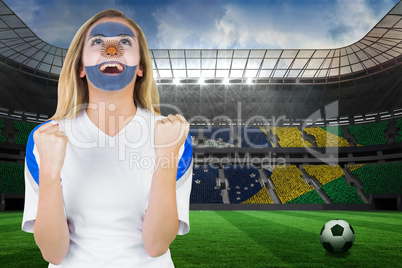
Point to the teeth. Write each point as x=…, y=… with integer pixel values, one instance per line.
x=104, y=66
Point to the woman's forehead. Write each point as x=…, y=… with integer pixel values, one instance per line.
x=111, y=27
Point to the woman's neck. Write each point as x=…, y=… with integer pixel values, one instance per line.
x=111, y=111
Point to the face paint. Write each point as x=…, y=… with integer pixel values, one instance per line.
x=110, y=82
x=112, y=49
x=111, y=56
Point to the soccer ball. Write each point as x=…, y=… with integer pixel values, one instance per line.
x=337, y=236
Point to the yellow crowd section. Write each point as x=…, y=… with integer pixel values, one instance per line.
x=355, y=166
x=324, y=173
x=262, y=197
x=289, y=183
x=290, y=137
x=324, y=138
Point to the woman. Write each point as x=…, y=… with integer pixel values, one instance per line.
x=108, y=178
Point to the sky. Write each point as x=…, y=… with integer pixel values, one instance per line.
x=219, y=24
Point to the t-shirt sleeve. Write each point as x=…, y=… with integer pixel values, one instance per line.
x=183, y=185
x=31, y=175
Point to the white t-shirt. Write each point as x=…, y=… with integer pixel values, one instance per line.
x=106, y=182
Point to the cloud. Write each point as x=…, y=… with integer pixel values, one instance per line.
x=269, y=25
x=56, y=22
x=349, y=21
x=218, y=24
x=182, y=24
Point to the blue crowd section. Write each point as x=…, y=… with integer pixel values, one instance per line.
x=224, y=134
x=254, y=137
x=194, y=131
x=244, y=182
x=204, y=189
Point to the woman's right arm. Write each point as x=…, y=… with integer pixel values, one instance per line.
x=50, y=229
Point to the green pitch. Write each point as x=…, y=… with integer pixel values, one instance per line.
x=249, y=239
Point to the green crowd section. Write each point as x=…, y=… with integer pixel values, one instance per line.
x=333, y=183
x=336, y=130
x=340, y=192
x=398, y=137
x=311, y=197
x=382, y=178
x=23, y=131
x=369, y=134
x=2, y=126
x=12, y=178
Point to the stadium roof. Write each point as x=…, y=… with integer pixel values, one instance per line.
x=22, y=49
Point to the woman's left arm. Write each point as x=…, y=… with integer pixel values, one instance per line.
x=161, y=221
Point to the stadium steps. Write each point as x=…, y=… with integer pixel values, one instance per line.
x=224, y=192
x=271, y=137
x=270, y=187
x=348, y=136
x=236, y=136
x=317, y=186
x=9, y=131
x=388, y=133
x=391, y=132
x=353, y=181
x=309, y=138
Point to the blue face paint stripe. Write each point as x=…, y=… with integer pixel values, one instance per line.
x=111, y=29
x=32, y=164
x=185, y=160
x=110, y=82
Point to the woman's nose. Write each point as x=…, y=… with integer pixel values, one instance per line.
x=112, y=49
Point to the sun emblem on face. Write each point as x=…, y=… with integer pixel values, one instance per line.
x=112, y=49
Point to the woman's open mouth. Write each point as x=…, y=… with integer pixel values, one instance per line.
x=111, y=68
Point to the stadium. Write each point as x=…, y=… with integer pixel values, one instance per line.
x=279, y=136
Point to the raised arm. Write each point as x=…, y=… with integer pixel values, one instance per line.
x=50, y=228
x=161, y=221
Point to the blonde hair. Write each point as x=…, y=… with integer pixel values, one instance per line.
x=73, y=92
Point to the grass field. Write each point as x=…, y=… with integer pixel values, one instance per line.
x=250, y=239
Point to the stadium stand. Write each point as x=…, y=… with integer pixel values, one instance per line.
x=289, y=183
x=311, y=197
x=355, y=166
x=262, y=197
x=290, y=137
x=325, y=138
x=369, y=134
x=194, y=132
x=12, y=178
x=218, y=137
x=334, y=184
x=380, y=178
x=204, y=188
x=340, y=192
x=2, y=127
x=244, y=182
x=254, y=137
x=23, y=130
x=324, y=173
x=336, y=130
x=398, y=137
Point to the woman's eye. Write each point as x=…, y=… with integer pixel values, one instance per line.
x=125, y=42
x=97, y=42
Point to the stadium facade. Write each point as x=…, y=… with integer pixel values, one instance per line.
x=353, y=89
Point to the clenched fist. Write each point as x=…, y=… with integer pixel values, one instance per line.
x=170, y=134
x=51, y=144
